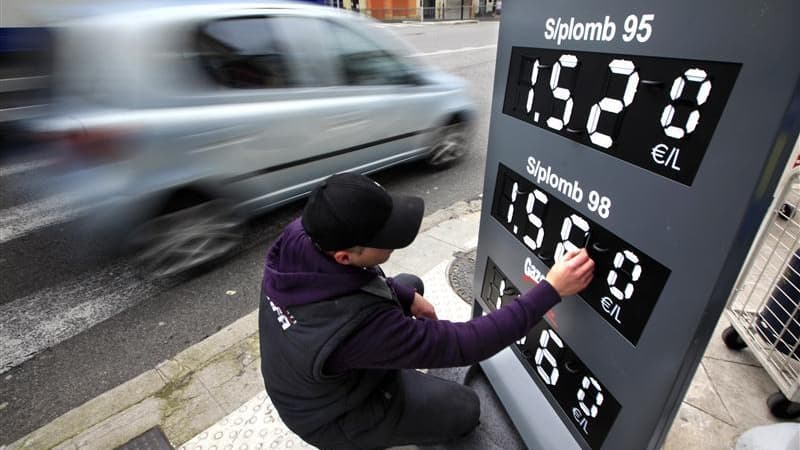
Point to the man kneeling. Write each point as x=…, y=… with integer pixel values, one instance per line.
x=340, y=341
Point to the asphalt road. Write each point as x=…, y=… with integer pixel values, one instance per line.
x=120, y=324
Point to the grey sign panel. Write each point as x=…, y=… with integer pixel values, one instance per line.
x=653, y=134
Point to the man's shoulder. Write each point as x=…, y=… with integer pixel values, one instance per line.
x=371, y=294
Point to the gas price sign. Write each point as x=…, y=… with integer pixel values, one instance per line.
x=653, y=136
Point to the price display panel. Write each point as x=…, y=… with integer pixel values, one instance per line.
x=556, y=368
x=653, y=135
x=627, y=282
x=630, y=107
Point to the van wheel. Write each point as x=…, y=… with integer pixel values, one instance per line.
x=449, y=146
x=187, y=238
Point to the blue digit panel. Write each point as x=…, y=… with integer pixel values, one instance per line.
x=646, y=130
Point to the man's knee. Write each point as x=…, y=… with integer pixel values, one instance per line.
x=463, y=412
x=470, y=413
x=410, y=280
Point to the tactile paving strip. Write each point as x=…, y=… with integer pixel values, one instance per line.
x=255, y=425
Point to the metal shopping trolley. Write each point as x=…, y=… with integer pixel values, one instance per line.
x=764, y=307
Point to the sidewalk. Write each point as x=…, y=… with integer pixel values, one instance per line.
x=211, y=395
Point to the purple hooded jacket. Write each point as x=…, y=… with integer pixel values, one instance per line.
x=297, y=273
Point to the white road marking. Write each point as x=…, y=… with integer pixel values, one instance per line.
x=456, y=50
x=41, y=320
x=26, y=166
x=26, y=218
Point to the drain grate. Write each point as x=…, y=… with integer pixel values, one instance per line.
x=461, y=273
x=152, y=439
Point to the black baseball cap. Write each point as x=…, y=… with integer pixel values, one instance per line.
x=349, y=209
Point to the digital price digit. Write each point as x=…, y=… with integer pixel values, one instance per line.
x=627, y=268
x=627, y=282
x=544, y=359
x=612, y=105
x=590, y=396
x=574, y=235
x=499, y=300
x=676, y=95
x=562, y=93
x=535, y=207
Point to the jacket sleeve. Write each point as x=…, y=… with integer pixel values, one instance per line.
x=391, y=340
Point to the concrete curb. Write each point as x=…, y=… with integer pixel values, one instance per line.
x=152, y=398
x=454, y=211
x=185, y=394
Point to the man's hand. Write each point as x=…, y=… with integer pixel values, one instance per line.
x=422, y=308
x=572, y=273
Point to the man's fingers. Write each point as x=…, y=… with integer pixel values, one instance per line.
x=571, y=254
x=580, y=260
x=586, y=267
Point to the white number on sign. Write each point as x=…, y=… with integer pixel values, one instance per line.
x=499, y=302
x=626, y=265
x=543, y=355
x=613, y=105
x=535, y=207
x=590, y=393
x=568, y=241
x=510, y=213
x=562, y=93
x=534, y=79
x=668, y=115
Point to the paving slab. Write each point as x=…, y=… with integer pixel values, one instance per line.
x=459, y=232
x=234, y=378
x=744, y=390
x=424, y=254
x=718, y=350
x=189, y=408
x=695, y=429
x=703, y=395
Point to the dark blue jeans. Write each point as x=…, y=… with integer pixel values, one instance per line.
x=411, y=280
x=423, y=410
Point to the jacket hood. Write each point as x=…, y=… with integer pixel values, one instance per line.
x=297, y=273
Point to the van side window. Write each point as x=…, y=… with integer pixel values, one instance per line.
x=244, y=53
x=365, y=63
